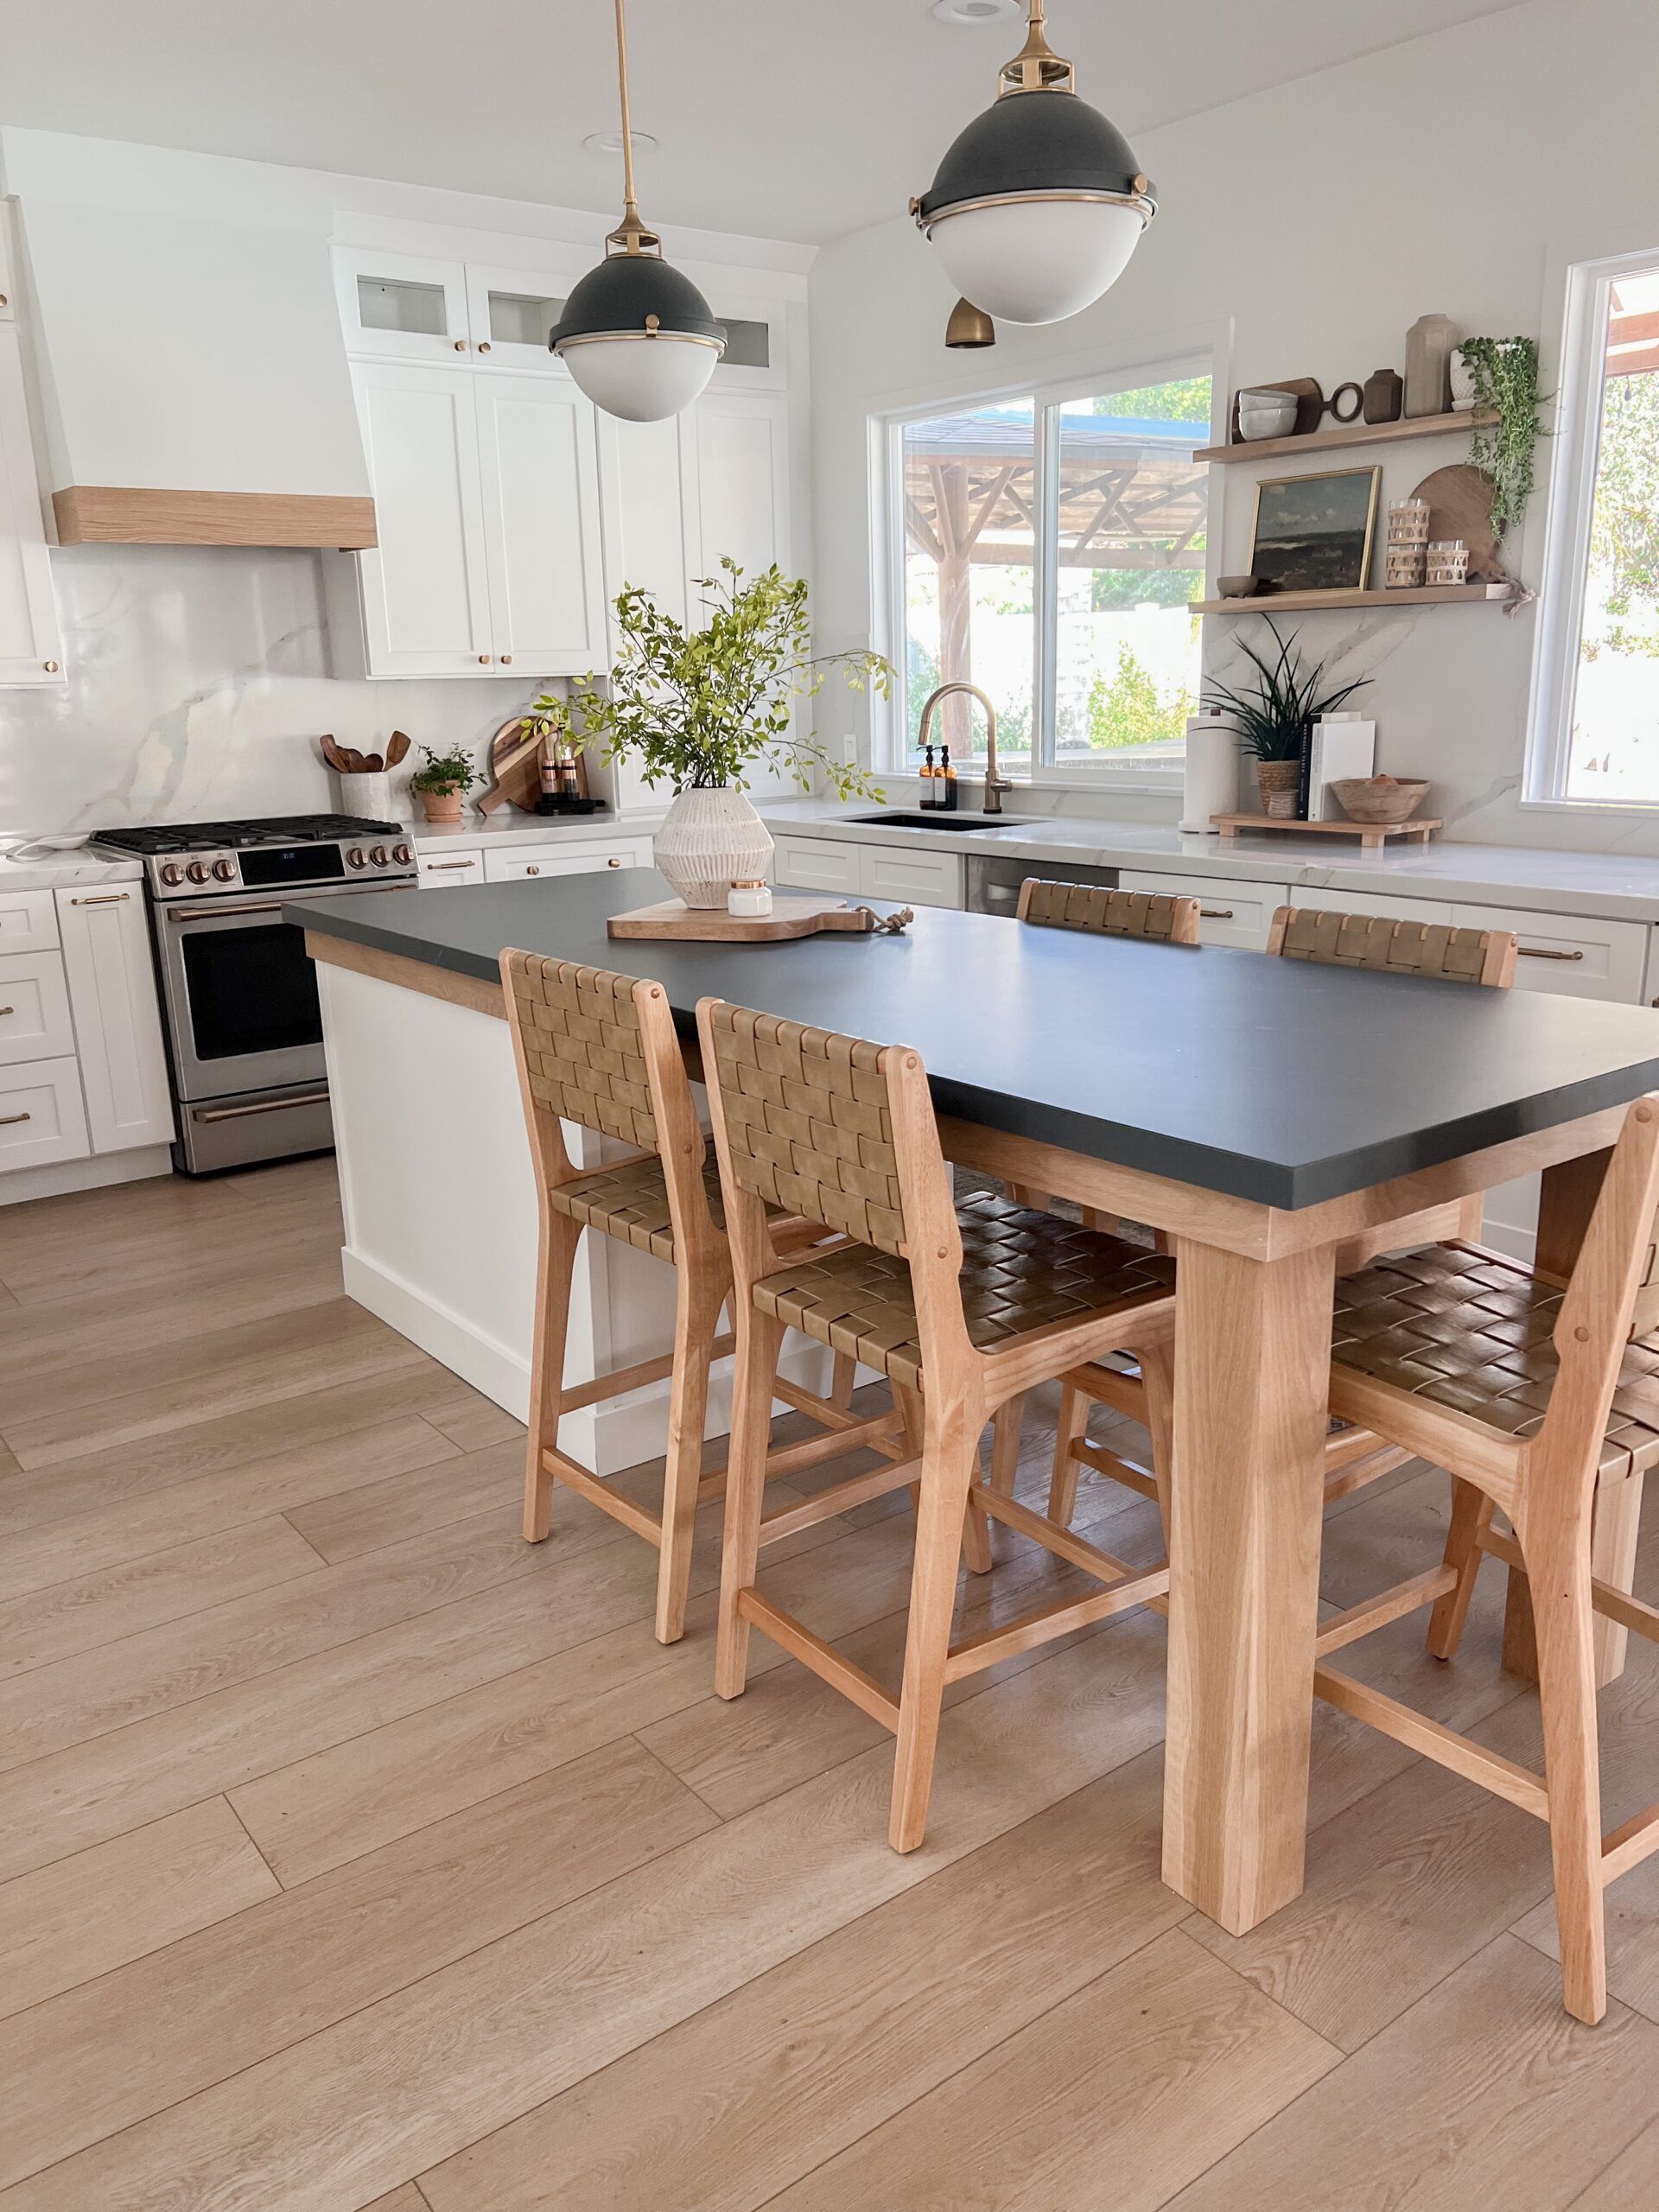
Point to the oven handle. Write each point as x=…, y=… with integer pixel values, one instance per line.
x=264, y=1106
x=276, y=905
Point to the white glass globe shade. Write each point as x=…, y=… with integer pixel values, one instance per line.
x=641, y=379
x=1038, y=260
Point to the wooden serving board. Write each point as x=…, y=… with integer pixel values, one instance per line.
x=1416, y=828
x=790, y=918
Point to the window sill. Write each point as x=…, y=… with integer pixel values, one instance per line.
x=1638, y=809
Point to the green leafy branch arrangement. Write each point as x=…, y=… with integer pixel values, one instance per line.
x=1271, y=720
x=444, y=771
x=699, y=708
x=1505, y=372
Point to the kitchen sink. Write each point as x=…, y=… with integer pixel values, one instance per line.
x=939, y=819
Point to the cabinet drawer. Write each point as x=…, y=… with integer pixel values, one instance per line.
x=441, y=871
x=1429, y=912
x=1568, y=954
x=29, y=921
x=920, y=879
x=34, y=1022
x=1231, y=912
x=41, y=1116
x=817, y=864
x=521, y=861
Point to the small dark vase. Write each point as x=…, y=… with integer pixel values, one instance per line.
x=1384, y=396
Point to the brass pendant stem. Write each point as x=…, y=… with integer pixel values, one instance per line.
x=1036, y=67
x=630, y=235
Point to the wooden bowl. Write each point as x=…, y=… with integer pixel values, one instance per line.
x=1378, y=798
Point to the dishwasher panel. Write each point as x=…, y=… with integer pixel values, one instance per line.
x=992, y=883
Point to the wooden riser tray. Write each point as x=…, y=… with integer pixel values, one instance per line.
x=1420, y=829
x=790, y=918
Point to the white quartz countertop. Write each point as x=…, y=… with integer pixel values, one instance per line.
x=1540, y=878
x=27, y=866
x=509, y=827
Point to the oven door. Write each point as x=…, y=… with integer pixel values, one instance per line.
x=241, y=995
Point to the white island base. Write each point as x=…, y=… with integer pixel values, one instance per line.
x=440, y=1224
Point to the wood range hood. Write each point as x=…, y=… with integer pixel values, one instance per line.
x=115, y=514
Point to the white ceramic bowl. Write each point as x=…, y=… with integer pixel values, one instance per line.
x=1266, y=414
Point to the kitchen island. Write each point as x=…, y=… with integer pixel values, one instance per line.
x=1260, y=1112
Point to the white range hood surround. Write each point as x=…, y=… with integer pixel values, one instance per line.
x=190, y=376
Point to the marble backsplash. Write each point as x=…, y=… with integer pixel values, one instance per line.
x=198, y=688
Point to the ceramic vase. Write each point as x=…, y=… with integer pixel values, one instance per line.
x=368, y=797
x=1277, y=781
x=711, y=839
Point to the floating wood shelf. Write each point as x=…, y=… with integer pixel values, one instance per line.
x=1348, y=434
x=1420, y=829
x=1294, y=603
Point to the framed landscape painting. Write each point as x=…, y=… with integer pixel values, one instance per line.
x=1315, y=533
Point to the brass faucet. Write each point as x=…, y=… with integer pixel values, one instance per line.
x=994, y=785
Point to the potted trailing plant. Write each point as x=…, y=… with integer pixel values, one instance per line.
x=702, y=710
x=1499, y=377
x=442, y=780
x=1272, y=718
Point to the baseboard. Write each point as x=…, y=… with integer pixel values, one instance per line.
x=1518, y=1243
x=98, y=1173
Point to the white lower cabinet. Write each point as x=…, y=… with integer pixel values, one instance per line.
x=34, y=1023
x=1231, y=912
x=444, y=870
x=816, y=864
x=42, y=1119
x=28, y=922
x=1430, y=911
x=916, y=879
x=112, y=980
x=521, y=861
x=1569, y=954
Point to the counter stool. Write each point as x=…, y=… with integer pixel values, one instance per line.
x=1530, y=1394
x=1353, y=1458
x=962, y=1310
x=599, y=1049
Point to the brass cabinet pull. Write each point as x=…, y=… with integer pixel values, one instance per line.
x=104, y=898
x=442, y=867
x=1216, y=913
x=1542, y=952
x=7, y=1120
x=8, y=1009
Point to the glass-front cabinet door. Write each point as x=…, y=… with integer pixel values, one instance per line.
x=512, y=313
x=402, y=306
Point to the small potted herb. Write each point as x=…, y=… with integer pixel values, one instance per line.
x=1272, y=718
x=442, y=780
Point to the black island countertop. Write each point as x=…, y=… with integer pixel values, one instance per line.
x=1270, y=1080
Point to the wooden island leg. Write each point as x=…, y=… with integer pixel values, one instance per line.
x=1252, y=1366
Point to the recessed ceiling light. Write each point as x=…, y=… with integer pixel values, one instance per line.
x=610, y=142
x=974, y=14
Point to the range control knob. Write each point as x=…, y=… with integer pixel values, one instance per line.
x=226, y=871
x=379, y=857
x=402, y=854
x=197, y=871
x=172, y=873
x=355, y=857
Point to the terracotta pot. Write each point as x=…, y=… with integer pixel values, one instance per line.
x=711, y=839
x=1277, y=781
x=440, y=806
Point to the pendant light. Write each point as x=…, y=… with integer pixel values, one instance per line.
x=637, y=337
x=1038, y=205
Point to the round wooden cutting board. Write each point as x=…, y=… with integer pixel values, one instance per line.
x=1461, y=505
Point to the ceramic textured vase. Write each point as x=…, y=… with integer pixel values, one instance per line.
x=711, y=839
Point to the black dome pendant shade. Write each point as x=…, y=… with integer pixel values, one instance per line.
x=634, y=295
x=1049, y=142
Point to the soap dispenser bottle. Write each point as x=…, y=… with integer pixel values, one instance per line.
x=947, y=782
x=929, y=782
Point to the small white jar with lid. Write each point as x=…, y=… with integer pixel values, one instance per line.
x=750, y=899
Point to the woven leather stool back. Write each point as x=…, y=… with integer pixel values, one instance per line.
x=1433, y=950
x=584, y=1058
x=1109, y=914
x=807, y=1123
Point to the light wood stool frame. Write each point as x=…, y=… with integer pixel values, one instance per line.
x=1545, y=1484
x=645, y=1100
x=950, y=1394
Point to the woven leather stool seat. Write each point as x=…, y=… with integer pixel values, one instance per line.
x=1466, y=1329
x=1019, y=1271
x=630, y=1202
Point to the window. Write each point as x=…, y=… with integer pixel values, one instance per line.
x=1594, y=738
x=1051, y=548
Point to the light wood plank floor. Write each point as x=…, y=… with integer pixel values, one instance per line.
x=354, y=1854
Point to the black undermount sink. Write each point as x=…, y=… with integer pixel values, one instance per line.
x=940, y=818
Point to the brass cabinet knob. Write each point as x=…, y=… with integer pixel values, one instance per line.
x=506, y=660
x=4, y=302
x=613, y=861
x=532, y=869
x=483, y=344
x=483, y=660
x=50, y=666
x=461, y=345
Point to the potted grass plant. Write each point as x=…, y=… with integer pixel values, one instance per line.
x=703, y=709
x=1273, y=715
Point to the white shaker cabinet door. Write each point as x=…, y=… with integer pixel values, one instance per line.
x=742, y=455
x=113, y=996
x=540, y=468
x=425, y=591
x=31, y=651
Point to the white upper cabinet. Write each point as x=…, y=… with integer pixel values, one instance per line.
x=648, y=482
x=31, y=651
x=540, y=472
x=424, y=594
x=401, y=306
x=742, y=447
x=510, y=316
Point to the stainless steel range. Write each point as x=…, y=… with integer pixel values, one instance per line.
x=239, y=996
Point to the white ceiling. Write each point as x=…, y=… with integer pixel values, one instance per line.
x=784, y=118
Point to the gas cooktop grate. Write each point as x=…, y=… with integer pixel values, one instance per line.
x=238, y=837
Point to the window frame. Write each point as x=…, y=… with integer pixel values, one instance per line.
x=1194, y=356
x=1565, y=568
